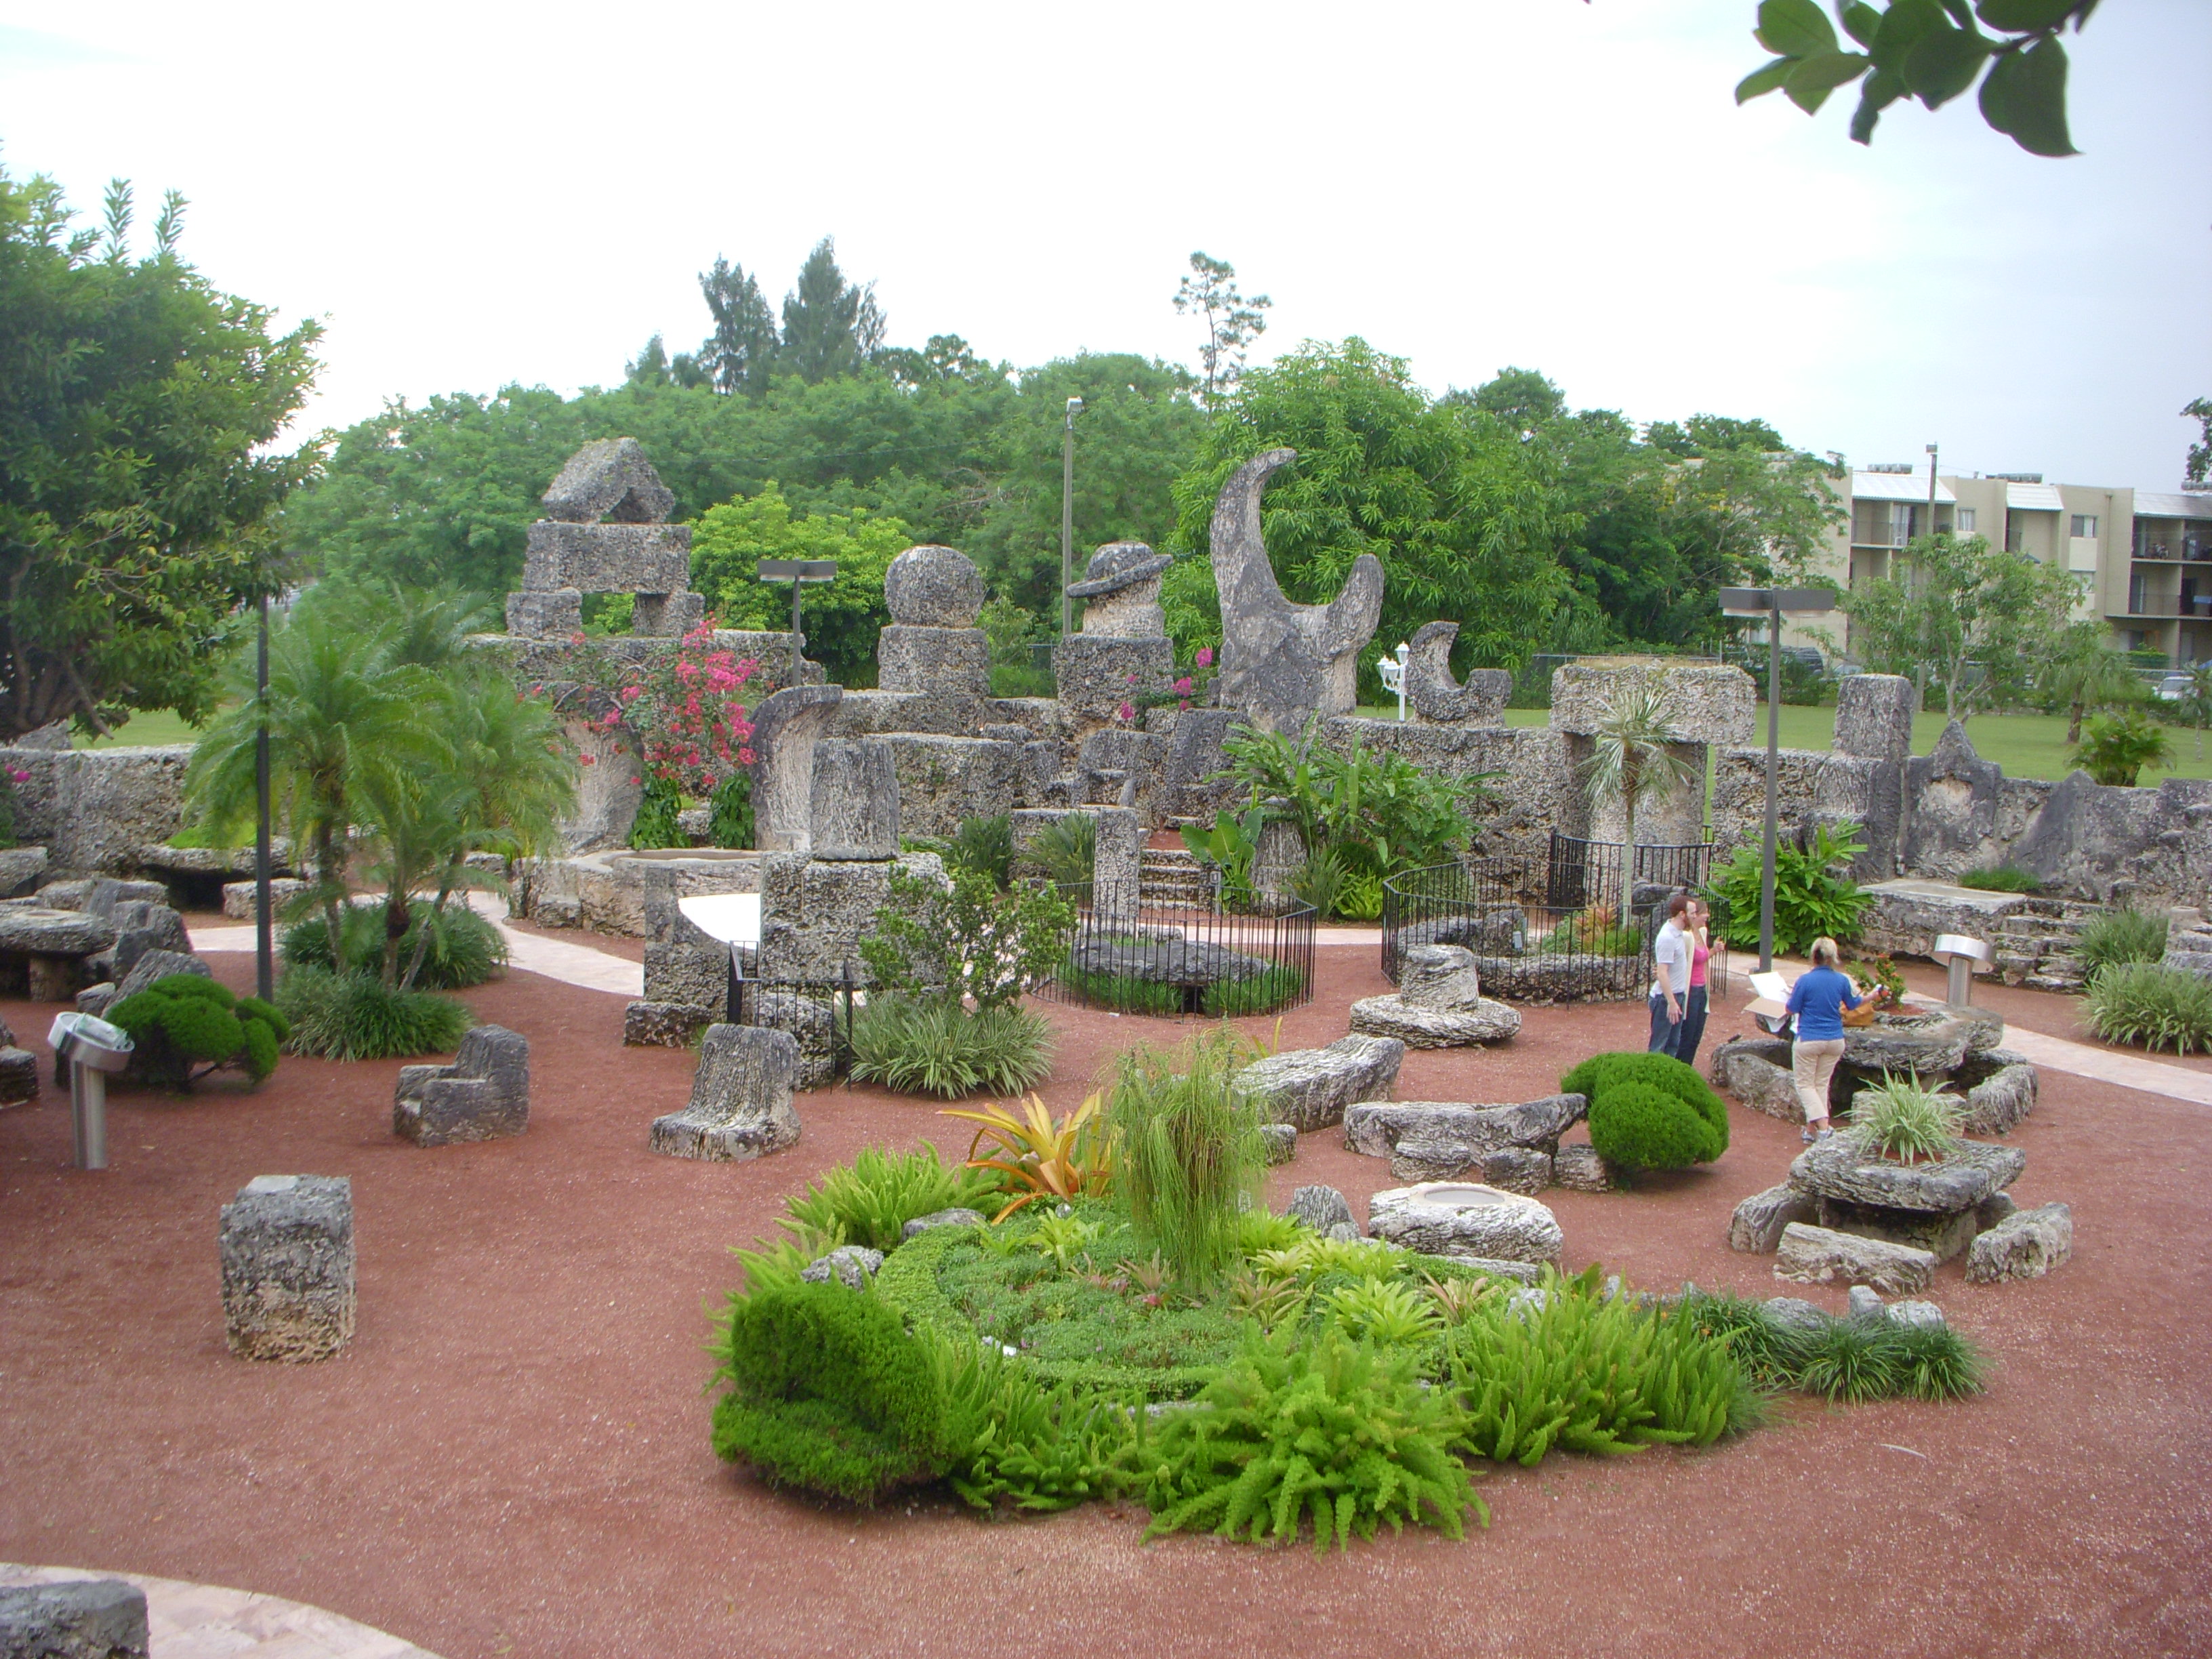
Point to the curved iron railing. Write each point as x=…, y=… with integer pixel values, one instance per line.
x=1170, y=958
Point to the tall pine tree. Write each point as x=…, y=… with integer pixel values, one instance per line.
x=831, y=327
x=741, y=354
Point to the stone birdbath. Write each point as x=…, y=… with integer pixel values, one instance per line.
x=1483, y=1226
x=1933, y=1204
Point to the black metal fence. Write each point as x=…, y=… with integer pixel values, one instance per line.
x=1576, y=938
x=816, y=1014
x=1171, y=957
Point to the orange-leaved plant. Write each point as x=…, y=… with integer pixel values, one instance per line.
x=1040, y=1156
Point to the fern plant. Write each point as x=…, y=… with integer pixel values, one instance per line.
x=1330, y=1433
x=870, y=1200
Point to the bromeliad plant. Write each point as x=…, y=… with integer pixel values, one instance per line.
x=1041, y=1156
x=1900, y=1118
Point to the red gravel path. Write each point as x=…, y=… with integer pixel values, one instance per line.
x=512, y=1457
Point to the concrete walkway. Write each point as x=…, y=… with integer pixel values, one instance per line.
x=201, y=1622
x=581, y=965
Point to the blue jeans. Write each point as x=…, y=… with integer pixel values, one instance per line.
x=1692, y=1031
x=1666, y=1034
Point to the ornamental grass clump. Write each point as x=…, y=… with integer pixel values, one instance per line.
x=183, y=1026
x=1844, y=1360
x=359, y=1016
x=2152, y=1006
x=1900, y=1118
x=1329, y=1432
x=1191, y=1157
x=929, y=1046
x=2114, y=938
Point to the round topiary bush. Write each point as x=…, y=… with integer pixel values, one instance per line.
x=1600, y=1073
x=828, y=1392
x=1638, y=1126
x=187, y=1020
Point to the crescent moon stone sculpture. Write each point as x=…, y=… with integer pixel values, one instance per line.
x=1439, y=700
x=1283, y=663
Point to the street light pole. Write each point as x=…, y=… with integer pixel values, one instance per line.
x=1932, y=492
x=1773, y=762
x=1067, y=513
x=264, y=966
x=1771, y=604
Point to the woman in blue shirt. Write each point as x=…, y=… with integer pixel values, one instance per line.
x=1818, y=999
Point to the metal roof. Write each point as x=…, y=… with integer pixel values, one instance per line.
x=2033, y=498
x=2151, y=504
x=1896, y=487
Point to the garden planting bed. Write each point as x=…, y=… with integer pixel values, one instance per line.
x=514, y=1455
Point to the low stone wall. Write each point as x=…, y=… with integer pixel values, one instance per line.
x=631, y=894
x=93, y=809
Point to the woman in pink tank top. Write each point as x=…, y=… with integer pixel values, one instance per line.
x=1696, y=922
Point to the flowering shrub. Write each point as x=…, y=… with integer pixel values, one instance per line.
x=684, y=705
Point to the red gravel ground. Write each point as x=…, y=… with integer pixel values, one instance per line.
x=512, y=1457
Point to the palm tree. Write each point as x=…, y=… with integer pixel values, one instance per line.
x=334, y=699
x=2083, y=672
x=1632, y=761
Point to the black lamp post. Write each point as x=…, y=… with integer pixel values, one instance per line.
x=1772, y=603
x=264, y=962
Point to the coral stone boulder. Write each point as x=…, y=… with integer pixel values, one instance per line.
x=1310, y=1088
x=1841, y=1167
x=2027, y=1244
x=934, y=587
x=741, y=1105
x=1468, y=1220
x=1820, y=1256
x=1418, y=1027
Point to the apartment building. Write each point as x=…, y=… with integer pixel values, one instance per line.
x=2145, y=557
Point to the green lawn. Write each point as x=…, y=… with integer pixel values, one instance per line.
x=2026, y=746
x=160, y=726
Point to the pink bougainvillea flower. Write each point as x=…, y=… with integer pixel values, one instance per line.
x=1182, y=686
x=1133, y=679
x=744, y=757
x=1206, y=656
x=586, y=759
x=637, y=780
x=1126, y=712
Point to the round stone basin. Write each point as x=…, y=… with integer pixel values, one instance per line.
x=1460, y=1195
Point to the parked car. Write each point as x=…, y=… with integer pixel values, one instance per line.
x=2174, y=688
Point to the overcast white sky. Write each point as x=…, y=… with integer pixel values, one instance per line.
x=471, y=194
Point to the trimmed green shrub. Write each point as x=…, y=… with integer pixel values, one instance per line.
x=2003, y=878
x=870, y=1200
x=2152, y=1006
x=1332, y=1432
x=827, y=1392
x=1638, y=1126
x=2117, y=746
x=1191, y=1160
x=185, y=1020
x=932, y=1046
x=657, y=824
x=1662, y=1072
x=464, y=949
x=2112, y=938
x=358, y=1017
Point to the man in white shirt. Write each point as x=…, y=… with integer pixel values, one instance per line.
x=1670, y=989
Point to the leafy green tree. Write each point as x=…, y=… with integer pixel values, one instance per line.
x=1468, y=520
x=1927, y=49
x=1967, y=614
x=830, y=326
x=740, y=354
x=2080, y=671
x=1139, y=428
x=840, y=619
x=2200, y=453
x=137, y=483
x=1233, y=322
